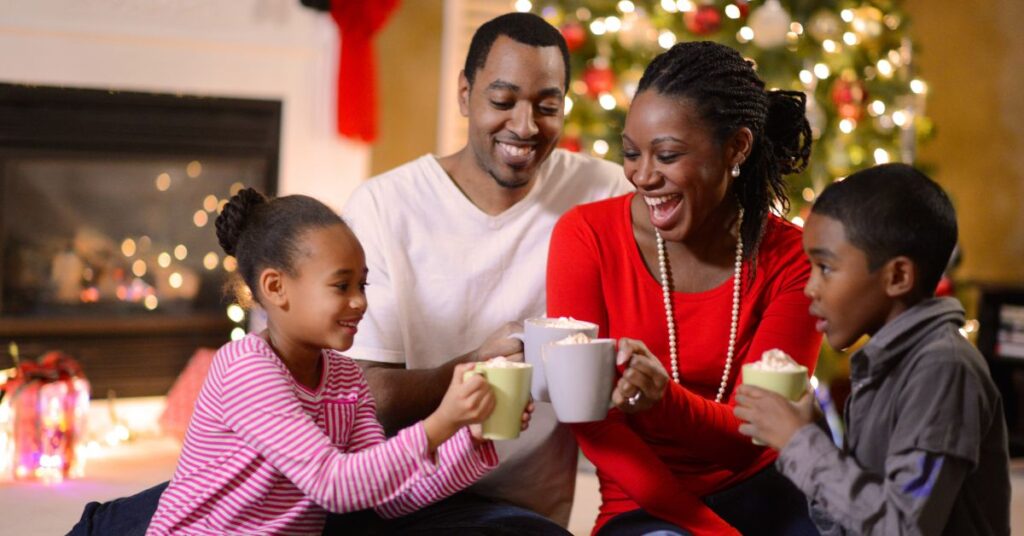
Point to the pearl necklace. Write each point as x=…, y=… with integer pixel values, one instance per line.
x=666, y=293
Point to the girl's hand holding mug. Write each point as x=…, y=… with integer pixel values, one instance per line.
x=643, y=381
x=468, y=401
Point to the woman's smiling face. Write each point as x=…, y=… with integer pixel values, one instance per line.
x=672, y=157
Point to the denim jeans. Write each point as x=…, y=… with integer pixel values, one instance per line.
x=127, y=516
x=766, y=503
x=463, y=513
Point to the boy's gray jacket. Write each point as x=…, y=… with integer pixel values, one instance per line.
x=926, y=449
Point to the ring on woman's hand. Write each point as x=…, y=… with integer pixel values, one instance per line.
x=635, y=398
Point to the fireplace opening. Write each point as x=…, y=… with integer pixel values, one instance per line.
x=107, y=207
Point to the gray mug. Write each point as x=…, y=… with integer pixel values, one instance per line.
x=580, y=379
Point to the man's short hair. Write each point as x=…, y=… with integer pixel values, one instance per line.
x=892, y=210
x=525, y=28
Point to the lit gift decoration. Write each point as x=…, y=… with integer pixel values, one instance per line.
x=43, y=419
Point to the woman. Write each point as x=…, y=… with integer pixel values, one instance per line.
x=695, y=266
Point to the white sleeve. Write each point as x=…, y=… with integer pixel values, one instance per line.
x=379, y=337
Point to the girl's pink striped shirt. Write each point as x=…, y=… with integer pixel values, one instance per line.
x=264, y=454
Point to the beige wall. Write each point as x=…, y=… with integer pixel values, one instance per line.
x=971, y=53
x=409, y=55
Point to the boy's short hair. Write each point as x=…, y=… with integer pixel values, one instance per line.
x=892, y=210
x=525, y=28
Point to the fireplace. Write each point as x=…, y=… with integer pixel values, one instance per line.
x=107, y=244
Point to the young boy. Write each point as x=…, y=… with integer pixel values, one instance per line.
x=926, y=448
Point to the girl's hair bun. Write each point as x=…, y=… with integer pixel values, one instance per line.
x=235, y=217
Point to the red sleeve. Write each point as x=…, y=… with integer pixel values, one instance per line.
x=785, y=323
x=574, y=289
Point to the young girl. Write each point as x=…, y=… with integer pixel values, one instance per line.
x=284, y=429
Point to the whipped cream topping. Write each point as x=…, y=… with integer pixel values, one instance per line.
x=575, y=338
x=503, y=362
x=564, y=322
x=776, y=360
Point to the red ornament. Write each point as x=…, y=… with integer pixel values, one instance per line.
x=704, y=20
x=744, y=8
x=599, y=80
x=849, y=96
x=574, y=35
x=570, y=143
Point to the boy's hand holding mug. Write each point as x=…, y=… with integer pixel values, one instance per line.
x=770, y=418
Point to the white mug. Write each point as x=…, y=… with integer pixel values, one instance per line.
x=580, y=379
x=537, y=332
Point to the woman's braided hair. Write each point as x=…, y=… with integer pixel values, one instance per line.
x=729, y=95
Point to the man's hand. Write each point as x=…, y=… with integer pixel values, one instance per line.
x=770, y=418
x=500, y=344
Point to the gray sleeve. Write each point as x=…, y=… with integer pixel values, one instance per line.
x=915, y=496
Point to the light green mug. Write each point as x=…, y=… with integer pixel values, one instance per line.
x=510, y=382
x=791, y=384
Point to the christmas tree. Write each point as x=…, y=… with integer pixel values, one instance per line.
x=853, y=59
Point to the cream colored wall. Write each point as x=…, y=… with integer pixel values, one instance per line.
x=972, y=55
x=408, y=76
x=268, y=49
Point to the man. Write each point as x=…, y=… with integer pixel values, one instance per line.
x=457, y=248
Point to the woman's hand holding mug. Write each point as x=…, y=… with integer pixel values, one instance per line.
x=643, y=381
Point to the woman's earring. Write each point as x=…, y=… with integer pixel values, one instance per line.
x=736, y=171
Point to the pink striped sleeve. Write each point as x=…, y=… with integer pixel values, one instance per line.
x=397, y=475
x=459, y=463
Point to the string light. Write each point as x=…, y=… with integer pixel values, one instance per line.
x=745, y=35
x=128, y=247
x=666, y=39
x=821, y=71
x=732, y=11
x=139, y=268
x=211, y=260
x=523, y=6
x=163, y=182
x=607, y=101
x=884, y=68
x=601, y=147
x=210, y=203
x=900, y=118
x=193, y=169
x=626, y=6
x=236, y=313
